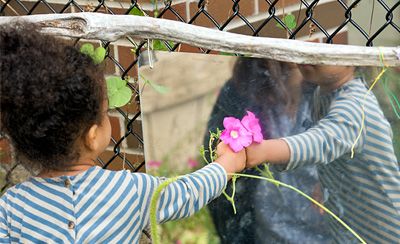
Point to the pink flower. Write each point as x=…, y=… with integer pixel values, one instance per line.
x=251, y=123
x=192, y=163
x=153, y=164
x=235, y=134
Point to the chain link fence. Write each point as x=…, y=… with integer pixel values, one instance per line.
x=330, y=21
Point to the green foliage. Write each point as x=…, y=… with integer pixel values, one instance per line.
x=198, y=229
x=136, y=11
x=226, y=54
x=87, y=49
x=266, y=172
x=97, y=54
x=158, y=88
x=118, y=92
x=159, y=45
x=289, y=20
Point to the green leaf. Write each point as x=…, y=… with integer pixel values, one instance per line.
x=159, y=88
x=158, y=45
x=99, y=55
x=289, y=20
x=118, y=92
x=136, y=11
x=87, y=49
x=226, y=54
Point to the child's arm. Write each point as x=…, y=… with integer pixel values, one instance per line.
x=330, y=139
x=275, y=151
x=191, y=192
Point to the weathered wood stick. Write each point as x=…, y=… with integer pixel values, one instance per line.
x=113, y=27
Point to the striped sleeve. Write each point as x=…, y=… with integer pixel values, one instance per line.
x=4, y=233
x=183, y=197
x=331, y=138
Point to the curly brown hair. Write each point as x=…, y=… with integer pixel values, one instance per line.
x=51, y=94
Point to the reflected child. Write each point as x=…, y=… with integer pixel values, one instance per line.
x=364, y=190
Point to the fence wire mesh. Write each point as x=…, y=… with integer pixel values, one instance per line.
x=318, y=20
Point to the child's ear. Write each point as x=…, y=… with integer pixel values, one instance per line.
x=90, y=138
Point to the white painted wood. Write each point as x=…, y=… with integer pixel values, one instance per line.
x=113, y=27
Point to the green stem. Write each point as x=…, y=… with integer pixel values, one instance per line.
x=392, y=97
x=153, y=204
x=231, y=199
x=153, y=208
x=211, y=151
x=203, y=155
x=308, y=197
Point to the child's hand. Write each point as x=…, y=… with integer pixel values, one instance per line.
x=254, y=154
x=231, y=161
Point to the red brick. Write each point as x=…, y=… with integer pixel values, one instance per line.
x=40, y=9
x=188, y=48
x=329, y=15
x=5, y=151
x=126, y=58
x=115, y=127
x=180, y=9
x=263, y=5
x=221, y=10
x=109, y=67
x=131, y=139
x=203, y=20
x=340, y=38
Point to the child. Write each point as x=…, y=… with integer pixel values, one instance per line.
x=54, y=110
x=266, y=214
x=364, y=190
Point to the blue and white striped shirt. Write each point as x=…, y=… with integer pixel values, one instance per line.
x=364, y=191
x=100, y=206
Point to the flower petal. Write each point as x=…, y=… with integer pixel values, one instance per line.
x=245, y=137
x=251, y=123
x=258, y=137
x=225, y=136
x=230, y=122
x=235, y=145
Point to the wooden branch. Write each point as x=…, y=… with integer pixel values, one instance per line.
x=113, y=27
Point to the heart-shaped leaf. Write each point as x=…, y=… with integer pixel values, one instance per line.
x=87, y=49
x=99, y=55
x=289, y=20
x=118, y=92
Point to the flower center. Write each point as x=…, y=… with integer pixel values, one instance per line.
x=234, y=134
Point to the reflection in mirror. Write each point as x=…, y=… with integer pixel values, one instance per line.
x=339, y=145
